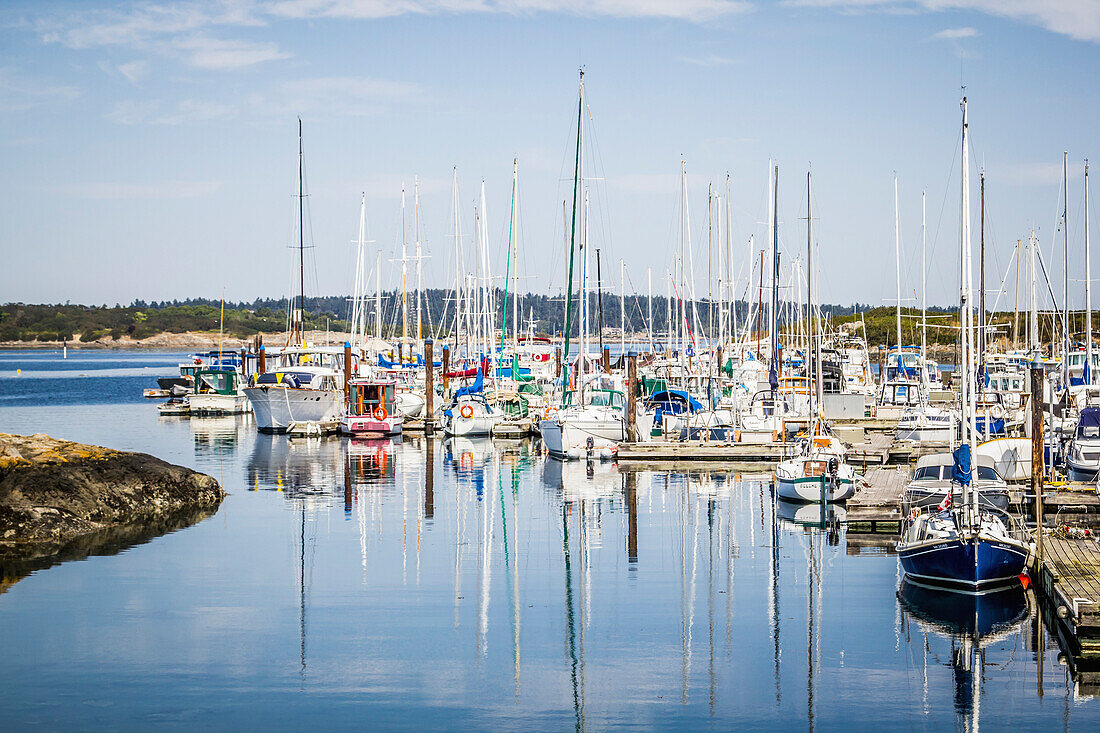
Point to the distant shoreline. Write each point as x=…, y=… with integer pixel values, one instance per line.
x=169, y=341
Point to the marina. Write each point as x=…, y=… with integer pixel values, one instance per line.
x=522, y=366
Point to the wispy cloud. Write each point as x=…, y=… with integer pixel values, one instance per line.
x=150, y=112
x=957, y=33
x=1044, y=174
x=338, y=96
x=1078, y=19
x=163, y=190
x=690, y=10
x=221, y=55
x=708, y=60
x=134, y=71
x=20, y=92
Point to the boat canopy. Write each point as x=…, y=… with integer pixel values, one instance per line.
x=1088, y=426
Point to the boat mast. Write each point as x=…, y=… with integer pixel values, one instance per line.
x=404, y=281
x=378, y=295
x=775, y=278
x=811, y=353
x=1065, y=269
x=1088, y=286
x=684, y=234
x=622, y=311
x=419, y=260
x=981, y=280
x=721, y=275
x=577, y=176
x=299, y=327
x=897, y=271
x=358, y=311
x=967, y=396
x=584, y=290
x=923, y=289
x=649, y=306
x=731, y=288
x=458, y=256
x=513, y=227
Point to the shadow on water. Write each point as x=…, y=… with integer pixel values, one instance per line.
x=106, y=542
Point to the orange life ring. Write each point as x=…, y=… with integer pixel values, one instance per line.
x=380, y=413
x=466, y=411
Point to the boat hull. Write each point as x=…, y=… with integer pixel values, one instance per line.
x=561, y=436
x=975, y=563
x=277, y=408
x=218, y=404
x=806, y=490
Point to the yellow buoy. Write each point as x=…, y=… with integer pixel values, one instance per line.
x=18, y=371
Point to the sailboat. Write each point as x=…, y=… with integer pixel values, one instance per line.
x=820, y=473
x=969, y=546
x=592, y=418
x=304, y=390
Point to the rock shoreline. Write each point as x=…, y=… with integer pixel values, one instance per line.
x=58, y=499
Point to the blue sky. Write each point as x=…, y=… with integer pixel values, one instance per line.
x=150, y=149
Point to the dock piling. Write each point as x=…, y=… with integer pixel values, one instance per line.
x=446, y=367
x=429, y=388
x=1037, y=451
x=632, y=397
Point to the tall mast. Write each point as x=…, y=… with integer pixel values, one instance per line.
x=514, y=227
x=811, y=354
x=1033, y=301
x=488, y=309
x=599, y=292
x=684, y=234
x=981, y=276
x=721, y=276
x=622, y=310
x=897, y=270
x=584, y=289
x=1088, y=286
x=649, y=305
x=968, y=386
x=710, y=260
x=378, y=295
x=458, y=256
x=577, y=177
x=775, y=275
x=300, y=320
x=923, y=288
x=419, y=273
x=1065, y=269
x=358, y=311
x=404, y=278
x=731, y=289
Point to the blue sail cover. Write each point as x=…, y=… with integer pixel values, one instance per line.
x=474, y=388
x=960, y=474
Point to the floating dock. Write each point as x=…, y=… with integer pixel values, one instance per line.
x=1068, y=574
x=706, y=451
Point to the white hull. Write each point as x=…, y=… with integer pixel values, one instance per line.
x=560, y=436
x=218, y=404
x=809, y=490
x=410, y=404
x=277, y=407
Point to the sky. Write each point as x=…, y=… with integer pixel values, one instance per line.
x=150, y=149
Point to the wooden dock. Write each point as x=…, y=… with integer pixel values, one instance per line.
x=1069, y=576
x=705, y=451
x=876, y=507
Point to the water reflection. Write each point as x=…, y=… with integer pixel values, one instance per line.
x=971, y=623
x=218, y=437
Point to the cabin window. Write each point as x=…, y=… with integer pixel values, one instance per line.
x=986, y=473
x=930, y=473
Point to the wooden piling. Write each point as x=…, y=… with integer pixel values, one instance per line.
x=557, y=361
x=263, y=359
x=446, y=368
x=632, y=397
x=607, y=359
x=630, y=488
x=429, y=479
x=347, y=371
x=1037, y=453
x=429, y=389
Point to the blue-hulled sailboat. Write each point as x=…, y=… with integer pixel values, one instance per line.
x=964, y=546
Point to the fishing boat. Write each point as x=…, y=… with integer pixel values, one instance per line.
x=966, y=546
x=371, y=410
x=296, y=396
x=218, y=392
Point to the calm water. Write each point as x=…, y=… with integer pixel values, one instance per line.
x=480, y=585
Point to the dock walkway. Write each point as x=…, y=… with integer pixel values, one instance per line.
x=1069, y=575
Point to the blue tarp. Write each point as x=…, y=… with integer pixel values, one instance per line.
x=960, y=474
x=474, y=388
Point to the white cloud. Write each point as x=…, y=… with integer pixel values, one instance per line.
x=154, y=113
x=107, y=191
x=134, y=71
x=691, y=10
x=220, y=55
x=341, y=96
x=1078, y=19
x=19, y=92
x=957, y=33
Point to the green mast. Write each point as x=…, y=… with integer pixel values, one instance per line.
x=572, y=243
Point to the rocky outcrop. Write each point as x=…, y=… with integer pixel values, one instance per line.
x=63, y=500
